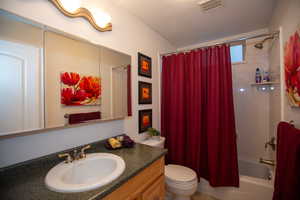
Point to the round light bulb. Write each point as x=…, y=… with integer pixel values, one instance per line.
x=101, y=18
x=71, y=5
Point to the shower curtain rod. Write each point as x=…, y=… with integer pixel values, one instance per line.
x=225, y=42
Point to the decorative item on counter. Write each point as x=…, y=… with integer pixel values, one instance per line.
x=119, y=142
x=155, y=134
x=114, y=143
x=120, y=138
x=258, y=76
x=127, y=142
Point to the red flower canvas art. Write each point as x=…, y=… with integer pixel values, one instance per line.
x=292, y=68
x=79, y=90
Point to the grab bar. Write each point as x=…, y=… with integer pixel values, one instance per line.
x=267, y=162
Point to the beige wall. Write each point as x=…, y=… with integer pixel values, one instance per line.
x=129, y=36
x=287, y=18
x=16, y=31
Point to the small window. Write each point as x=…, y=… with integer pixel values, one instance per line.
x=237, y=52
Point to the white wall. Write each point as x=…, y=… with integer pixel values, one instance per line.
x=252, y=110
x=129, y=36
x=286, y=16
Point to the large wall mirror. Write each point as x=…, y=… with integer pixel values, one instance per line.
x=50, y=80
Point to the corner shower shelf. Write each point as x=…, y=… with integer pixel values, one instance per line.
x=265, y=84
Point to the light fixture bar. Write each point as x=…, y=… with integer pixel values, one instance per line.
x=81, y=12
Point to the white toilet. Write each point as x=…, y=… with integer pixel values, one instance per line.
x=181, y=182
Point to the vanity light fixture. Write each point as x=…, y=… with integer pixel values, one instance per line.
x=72, y=8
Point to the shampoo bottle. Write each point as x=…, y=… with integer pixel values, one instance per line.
x=258, y=76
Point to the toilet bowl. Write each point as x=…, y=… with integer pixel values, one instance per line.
x=181, y=182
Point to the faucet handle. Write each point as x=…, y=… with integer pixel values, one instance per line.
x=76, y=155
x=69, y=158
x=82, y=153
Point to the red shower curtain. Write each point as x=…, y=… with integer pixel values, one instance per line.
x=198, y=114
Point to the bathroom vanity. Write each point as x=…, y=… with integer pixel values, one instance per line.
x=147, y=185
x=142, y=179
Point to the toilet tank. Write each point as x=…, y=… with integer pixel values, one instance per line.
x=155, y=142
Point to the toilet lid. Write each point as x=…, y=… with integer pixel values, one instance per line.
x=179, y=173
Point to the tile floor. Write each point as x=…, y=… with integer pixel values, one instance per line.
x=201, y=196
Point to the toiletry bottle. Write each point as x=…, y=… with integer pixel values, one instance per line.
x=257, y=76
x=266, y=77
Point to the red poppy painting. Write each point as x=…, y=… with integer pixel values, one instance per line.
x=292, y=68
x=79, y=90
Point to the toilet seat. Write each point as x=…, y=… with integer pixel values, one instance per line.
x=178, y=173
x=180, y=177
x=182, y=186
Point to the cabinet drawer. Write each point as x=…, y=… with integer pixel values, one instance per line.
x=135, y=186
x=156, y=191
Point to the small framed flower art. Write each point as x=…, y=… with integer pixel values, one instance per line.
x=145, y=93
x=292, y=68
x=145, y=120
x=79, y=90
x=144, y=65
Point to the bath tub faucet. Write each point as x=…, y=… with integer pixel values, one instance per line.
x=267, y=162
x=271, y=143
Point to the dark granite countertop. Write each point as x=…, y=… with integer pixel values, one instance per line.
x=25, y=181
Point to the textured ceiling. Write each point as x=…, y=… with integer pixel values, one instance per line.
x=183, y=23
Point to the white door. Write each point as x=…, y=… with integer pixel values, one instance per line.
x=119, y=94
x=21, y=95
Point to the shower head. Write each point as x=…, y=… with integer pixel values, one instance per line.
x=260, y=45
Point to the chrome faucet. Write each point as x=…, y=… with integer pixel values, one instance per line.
x=271, y=143
x=69, y=158
x=76, y=155
x=82, y=151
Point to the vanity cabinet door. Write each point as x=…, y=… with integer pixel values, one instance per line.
x=156, y=191
x=147, y=185
x=135, y=196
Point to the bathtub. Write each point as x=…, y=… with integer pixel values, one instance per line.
x=256, y=183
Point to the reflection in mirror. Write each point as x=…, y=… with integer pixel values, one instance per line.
x=114, y=66
x=71, y=69
x=50, y=80
x=21, y=68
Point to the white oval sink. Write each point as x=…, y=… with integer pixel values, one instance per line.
x=94, y=171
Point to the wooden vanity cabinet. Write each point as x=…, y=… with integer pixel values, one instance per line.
x=146, y=185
